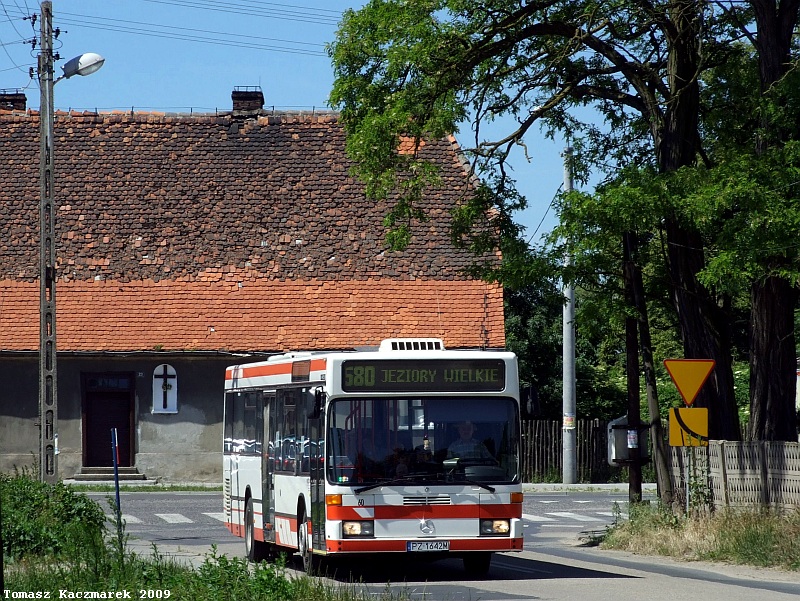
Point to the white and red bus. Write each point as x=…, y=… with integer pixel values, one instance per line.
x=337, y=454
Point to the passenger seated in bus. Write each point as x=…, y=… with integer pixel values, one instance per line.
x=466, y=447
x=401, y=466
x=397, y=461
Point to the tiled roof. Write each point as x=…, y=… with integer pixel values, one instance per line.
x=170, y=225
x=263, y=315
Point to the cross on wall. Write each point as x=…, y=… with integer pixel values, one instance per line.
x=165, y=377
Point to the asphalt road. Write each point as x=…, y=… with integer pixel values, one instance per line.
x=555, y=563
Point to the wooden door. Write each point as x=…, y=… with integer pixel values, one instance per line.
x=107, y=403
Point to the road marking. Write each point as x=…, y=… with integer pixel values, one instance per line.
x=582, y=501
x=574, y=516
x=130, y=519
x=174, y=518
x=536, y=518
x=611, y=514
x=217, y=516
x=547, y=501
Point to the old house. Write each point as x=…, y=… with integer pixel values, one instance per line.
x=189, y=242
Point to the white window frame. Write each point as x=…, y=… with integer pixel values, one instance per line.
x=165, y=389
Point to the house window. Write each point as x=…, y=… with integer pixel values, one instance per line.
x=165, y=389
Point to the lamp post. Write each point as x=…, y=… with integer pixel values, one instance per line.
x=48, y=390
x=569, y=434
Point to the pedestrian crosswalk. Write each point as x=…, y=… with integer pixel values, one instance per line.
x=562, y=517
x=169, y=518
x=546, y=518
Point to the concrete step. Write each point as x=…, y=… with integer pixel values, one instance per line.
x=106, y=474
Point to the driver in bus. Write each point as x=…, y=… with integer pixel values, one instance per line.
x=467, y=447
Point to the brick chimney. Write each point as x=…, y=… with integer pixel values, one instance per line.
x=247, y=99
x=12, y=100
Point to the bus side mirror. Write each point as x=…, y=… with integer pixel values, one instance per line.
x=319, y=402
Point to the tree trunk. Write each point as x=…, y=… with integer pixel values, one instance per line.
x=704, y=329
x=661, y=460
x=705, y=332
x=632, y=372
x=773, y=363
x=772, y=341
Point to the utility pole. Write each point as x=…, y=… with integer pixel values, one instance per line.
x=569, y=433
x=632, y=372
x=48, y=390
x=2, y=569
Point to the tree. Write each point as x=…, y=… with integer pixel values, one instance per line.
x=774, y=295
x=420, y=68
x=533, y=332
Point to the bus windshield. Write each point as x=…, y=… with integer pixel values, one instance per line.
x=434, y=439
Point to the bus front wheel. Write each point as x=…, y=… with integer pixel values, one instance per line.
x=304, y=544
x=255, y=549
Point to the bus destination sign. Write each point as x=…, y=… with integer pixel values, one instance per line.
x=423, y=375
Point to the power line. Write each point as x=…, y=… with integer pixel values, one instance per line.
x=255, y=4
x=183, y=33
x=303, y=15
x=260, y=9
x=20, y=41
x=180, y=29
x=546, y=211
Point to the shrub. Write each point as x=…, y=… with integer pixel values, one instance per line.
x=42, y=519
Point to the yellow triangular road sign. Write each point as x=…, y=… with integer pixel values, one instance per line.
x=689, y=375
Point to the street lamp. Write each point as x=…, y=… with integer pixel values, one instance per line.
x=84, y=64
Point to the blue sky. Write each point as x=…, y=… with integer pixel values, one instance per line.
x=188, y=55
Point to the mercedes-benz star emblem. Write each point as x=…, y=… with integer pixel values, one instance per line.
x=426, y=526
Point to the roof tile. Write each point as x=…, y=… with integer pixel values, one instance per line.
x=177, y=221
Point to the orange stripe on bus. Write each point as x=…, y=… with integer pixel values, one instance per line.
x=400, y=512
x=277, y=369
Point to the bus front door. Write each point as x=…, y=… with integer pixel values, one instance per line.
x=317, y=477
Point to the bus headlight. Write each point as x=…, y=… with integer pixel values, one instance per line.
x=496, y=527
x=358, y=529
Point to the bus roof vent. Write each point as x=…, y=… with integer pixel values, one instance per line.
x=412, y=344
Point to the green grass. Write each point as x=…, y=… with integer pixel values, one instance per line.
x=55, y=539
x=747, y=536
x=218, y=577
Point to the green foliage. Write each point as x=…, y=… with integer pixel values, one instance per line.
x=56, y=539
x=234, y=578
x=218, y=577
x=699, y=141
x=47, y=520
x=534, y=333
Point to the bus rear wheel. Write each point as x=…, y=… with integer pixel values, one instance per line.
x=477, y=564
x=256, y=550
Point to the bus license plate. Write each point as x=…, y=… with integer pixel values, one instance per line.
x=428, y=545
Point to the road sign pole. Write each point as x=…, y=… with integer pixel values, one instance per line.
x=688, y=488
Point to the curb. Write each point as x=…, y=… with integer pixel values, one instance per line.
x=621, y=487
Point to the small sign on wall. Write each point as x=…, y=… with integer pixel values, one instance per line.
x=165, y=389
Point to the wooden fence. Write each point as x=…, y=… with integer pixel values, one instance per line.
x=543, y=456
x=732, y=472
